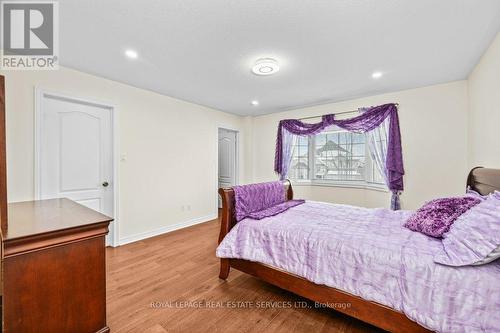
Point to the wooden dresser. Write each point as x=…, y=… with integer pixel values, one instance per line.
x=54, y=273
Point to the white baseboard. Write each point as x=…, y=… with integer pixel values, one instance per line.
x=166, y=229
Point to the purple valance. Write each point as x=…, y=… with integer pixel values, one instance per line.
x=367, y=121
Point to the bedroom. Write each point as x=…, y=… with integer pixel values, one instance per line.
x=169, y=76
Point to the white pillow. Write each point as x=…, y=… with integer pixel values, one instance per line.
x=494, y=255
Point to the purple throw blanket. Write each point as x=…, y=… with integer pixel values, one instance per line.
x=274, y=210
x=369, y=253
x=261, y=200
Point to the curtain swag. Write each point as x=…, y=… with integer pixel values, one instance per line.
x=369, y=119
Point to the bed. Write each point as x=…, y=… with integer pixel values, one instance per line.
x=396, y=289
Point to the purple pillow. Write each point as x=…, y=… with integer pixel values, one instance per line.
x=435, y=217
x=474, y=238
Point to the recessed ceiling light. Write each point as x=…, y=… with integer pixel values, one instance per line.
x=377, y=75
x=131, y=54
x=254, y=103
x=265, y=66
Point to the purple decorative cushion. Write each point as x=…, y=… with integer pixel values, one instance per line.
x=435, y=217
x=474, y=238
x=257, y=197
x=275, y=210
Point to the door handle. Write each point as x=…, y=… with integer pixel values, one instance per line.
x=105, y=184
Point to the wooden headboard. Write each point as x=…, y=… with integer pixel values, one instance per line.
x=228, y=218
x=484, y=180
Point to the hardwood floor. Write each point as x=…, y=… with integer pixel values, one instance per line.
x=170, y=283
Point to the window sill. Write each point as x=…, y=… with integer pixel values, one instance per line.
x=363, y=186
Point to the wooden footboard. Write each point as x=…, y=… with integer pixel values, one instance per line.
x=370, y=312
x=228, y=219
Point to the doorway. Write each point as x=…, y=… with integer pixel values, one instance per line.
x=75, y=153
x=227, y=159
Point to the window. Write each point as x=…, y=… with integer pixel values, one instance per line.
x=299, y=168
x=335, y=156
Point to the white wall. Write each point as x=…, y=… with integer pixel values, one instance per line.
x=170, y=145
x=484, y=105
x=433, y=124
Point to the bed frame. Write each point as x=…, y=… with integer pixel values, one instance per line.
x=480, y=179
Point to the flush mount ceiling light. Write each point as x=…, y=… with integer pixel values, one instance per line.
x=131, y=54
x=265, y=66
x=254, y=103
x=377, y=75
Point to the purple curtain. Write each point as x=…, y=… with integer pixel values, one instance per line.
x=370, y=119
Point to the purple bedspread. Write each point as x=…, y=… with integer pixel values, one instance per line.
x=368, y=252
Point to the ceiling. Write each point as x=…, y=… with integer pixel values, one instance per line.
x=202, y=51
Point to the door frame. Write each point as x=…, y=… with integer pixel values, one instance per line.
x=236, y=164
x=40, y=93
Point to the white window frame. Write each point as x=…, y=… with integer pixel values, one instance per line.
x=367, y=184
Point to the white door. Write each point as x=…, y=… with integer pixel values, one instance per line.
x=76, y=153
x=227, y=158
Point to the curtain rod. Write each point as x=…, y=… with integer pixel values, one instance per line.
x=343, y=112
